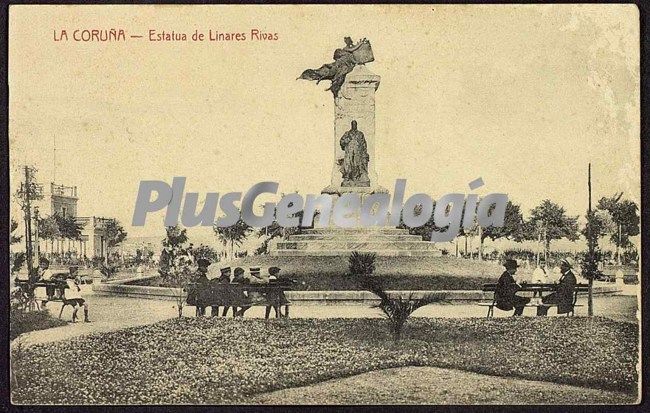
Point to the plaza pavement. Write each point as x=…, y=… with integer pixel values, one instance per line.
x=109, y=313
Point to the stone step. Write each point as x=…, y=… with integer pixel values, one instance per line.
x=354, y=246
x=373, y=230
x=354, y=237
x=345, y=253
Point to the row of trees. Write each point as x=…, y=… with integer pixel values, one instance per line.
x=57, y=227
x=614, y=216
x=549, y=221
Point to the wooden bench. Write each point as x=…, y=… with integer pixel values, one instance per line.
x=30, y=302
x=215, y=294
x=580, y=288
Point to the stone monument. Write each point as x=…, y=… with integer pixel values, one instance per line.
x=354, y=166
x=353, y=87
x=355, y=103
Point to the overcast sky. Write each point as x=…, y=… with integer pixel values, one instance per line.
x=522, y=96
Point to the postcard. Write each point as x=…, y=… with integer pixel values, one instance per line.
x=324, y=204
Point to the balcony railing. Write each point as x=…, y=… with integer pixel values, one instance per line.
x=62, y=190
x=97, y=222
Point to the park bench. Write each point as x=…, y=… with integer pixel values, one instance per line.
x=28, y=300
x=490, y=288
x=214, y=293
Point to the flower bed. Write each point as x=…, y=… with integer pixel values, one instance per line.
x=399, y=273
x=336, y=282
x=23, y=322
x=226, y=360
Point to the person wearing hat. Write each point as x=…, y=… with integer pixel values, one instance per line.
x=72, y=296
x=202, y=283
x=276, y=297
x=505, y=292
x=226, y=272
x=44, y=274
x=221, y=292
x=237, y=295
x=563, y=295
x=256, y=276
x=253, y=297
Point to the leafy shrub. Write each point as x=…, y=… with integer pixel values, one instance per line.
x=108, y=270
x=22, y=322
x=362, y=264
x=397, y=310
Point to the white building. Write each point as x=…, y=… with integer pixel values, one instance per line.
x=62, y=200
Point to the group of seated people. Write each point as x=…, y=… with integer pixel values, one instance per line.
x=60, y=287
x=506, y=289
x=215, y=292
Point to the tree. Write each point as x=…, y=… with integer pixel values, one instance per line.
x=114, y=233
x=625, y=217
x=18, y=257
x=175, y=264
x=513, y=226
x=68, y=226
x=595, y=228
x=601, y=224
x=233, y=235
x=206, y=252
x=14, y=238
x=48, y=229
x=549, y=222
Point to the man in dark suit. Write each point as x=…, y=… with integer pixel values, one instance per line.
x=202, y=282
x=505, y=292
x=563, y=296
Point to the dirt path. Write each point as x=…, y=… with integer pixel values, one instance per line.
x=430, y=385
x=110, y=313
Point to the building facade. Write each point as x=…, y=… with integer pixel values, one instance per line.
x=62, y=200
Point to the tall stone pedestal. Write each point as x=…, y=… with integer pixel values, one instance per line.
x=356, y=101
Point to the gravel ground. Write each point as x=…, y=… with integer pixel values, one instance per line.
x=432, y=385
x=109, y=313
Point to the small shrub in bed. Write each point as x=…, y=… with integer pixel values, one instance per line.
x=23, y=322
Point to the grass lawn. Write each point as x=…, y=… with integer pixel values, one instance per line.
x=223, y=360
x=23, y=322
x=399, y=273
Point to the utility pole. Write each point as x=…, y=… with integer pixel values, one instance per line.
x=27, y=209
x=539, y=243
x=590, y=306
x=618, y=246
x=480, y=243
x=36, y=239
x=29, y=191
